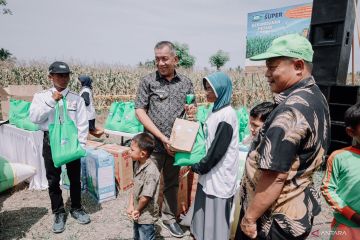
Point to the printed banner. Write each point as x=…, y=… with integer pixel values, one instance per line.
x=265, y=26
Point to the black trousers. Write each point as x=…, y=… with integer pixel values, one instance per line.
x=92, y=124
x=53, y=177
x=275, y=233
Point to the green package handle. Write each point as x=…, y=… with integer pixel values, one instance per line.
x=190, y=98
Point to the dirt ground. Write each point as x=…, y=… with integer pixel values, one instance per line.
x=26, y=214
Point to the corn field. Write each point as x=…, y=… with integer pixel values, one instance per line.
x=114, y=83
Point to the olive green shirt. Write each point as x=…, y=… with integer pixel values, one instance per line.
x=147, y=183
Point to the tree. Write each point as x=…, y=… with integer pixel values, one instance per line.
x=4, y=54
x=185, y=59
x=5, y=10
x=219, y=59
x=149, y=63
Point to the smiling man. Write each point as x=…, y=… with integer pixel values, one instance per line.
x=42, y=112
x=159, y=101
x=278, y=199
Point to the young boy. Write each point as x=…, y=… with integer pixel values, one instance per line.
x=341, y=183
x=258, y=115
x=42, y=112
x=143, y=208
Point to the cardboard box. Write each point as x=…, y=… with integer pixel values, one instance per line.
x=183, y=135
x=65, y=182
x=123, y=165
x=183, y=192
x=19, y=92
x=100, y=174
x=193, y=186
x=186, y=191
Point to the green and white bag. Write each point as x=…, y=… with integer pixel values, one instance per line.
x=197, y=153
x=122, y=118
x=19, y=115
x=64, y=143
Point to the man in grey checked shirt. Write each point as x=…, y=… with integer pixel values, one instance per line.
x=160, y=100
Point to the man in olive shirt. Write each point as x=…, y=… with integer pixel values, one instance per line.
x=160, y=100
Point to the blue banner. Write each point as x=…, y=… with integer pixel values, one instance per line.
x=265, y=26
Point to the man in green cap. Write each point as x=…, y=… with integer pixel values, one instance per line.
x=278, y=199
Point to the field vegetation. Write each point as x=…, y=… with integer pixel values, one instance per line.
x=114, y=83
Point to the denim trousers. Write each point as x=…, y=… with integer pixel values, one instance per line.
x=144, y=231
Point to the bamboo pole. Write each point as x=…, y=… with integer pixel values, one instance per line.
x=353, y=61
x=353, y=41
x=357, y=20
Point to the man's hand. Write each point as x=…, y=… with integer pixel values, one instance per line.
x=167, y=146
x=57, y=96
x=356, y=218
x=248, y=227
x=190, y=111
x=169, y=150
x=135, y=215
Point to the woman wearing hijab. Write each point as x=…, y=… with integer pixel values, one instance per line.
x=86, y=94
x=218, y=169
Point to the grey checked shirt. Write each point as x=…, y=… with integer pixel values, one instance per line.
x=163, y=100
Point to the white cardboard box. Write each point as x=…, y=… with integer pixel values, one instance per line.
x=100, y=174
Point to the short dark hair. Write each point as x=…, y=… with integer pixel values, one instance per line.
x=162, y=44
x=352, y=116
x=145, y=141
x=262, y=110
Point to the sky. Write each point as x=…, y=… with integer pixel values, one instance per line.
x=125, y=31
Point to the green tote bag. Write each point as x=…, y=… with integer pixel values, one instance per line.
x=122, y=118
x=114, y=116
x=203, y=112
x=129, y=122
x=19, y=115
x=243, y=118
x=19, y=110
x=28, y=125
x=197, y=153
x=64, y=143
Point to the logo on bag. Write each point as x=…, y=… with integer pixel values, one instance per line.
x=64, y=141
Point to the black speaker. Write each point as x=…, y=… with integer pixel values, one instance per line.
x=331, y=31
x=340, y=98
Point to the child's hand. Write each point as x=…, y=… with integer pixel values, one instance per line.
x=130, y=211
x=135, y=215
x=190, y=112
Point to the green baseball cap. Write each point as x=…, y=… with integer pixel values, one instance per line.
x=291, y=45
